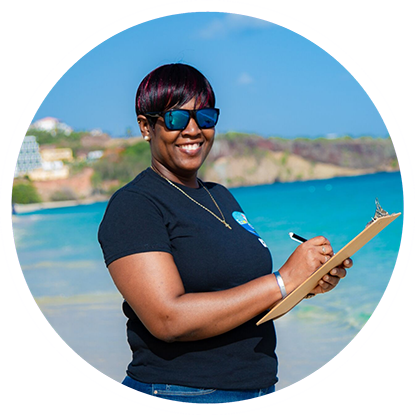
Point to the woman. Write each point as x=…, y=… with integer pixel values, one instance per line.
x=194, y=274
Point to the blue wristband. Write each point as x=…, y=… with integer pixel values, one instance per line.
x=280, y=283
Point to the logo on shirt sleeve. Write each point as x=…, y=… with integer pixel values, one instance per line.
x=243, y=221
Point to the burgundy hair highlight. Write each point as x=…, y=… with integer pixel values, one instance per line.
x=173, y=85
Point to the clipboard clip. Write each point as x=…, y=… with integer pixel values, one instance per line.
x=379, y=213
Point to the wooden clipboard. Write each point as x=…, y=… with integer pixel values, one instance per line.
x=296, y=296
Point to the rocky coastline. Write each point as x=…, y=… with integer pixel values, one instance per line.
x=236, y=160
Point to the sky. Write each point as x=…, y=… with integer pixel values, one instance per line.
x=267, y=79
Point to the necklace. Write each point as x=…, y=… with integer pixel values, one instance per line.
x=195, y=201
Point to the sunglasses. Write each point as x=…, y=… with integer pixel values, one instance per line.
x=179, y=119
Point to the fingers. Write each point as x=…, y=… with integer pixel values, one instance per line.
x=323, y=251
x=308, y=257
x=323, y=258
x=338, y=272
x=326, y=250
x=319, y=240
x=328, y=282
x=348, y=263
x=323, y=247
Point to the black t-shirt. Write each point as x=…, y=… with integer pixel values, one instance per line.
x=149, y=214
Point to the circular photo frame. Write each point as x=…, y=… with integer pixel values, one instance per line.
x=394, y=281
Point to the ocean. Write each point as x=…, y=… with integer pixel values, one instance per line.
x=63, y=266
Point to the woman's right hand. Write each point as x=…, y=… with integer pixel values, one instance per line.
x=307, y=258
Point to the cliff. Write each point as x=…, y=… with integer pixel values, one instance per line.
x=235, y=160
x=240, y=159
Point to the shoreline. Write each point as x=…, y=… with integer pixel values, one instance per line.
x=34, y=207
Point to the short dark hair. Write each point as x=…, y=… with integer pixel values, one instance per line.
x=172, y=85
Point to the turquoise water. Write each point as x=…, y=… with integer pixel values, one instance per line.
x=62, y=262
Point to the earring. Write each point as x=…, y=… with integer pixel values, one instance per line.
x=147, y=138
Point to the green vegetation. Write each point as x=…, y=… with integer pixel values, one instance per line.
x=47, y=137
x=24, y=193
x=233, y=136
x=77, y=166
x=284, y=158
x=122, y=167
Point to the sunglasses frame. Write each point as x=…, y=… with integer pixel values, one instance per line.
x=192, y=114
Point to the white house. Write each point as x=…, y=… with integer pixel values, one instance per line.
x=95, y=155
x=52, y=125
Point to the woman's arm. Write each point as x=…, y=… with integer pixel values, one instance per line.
x=151, y=284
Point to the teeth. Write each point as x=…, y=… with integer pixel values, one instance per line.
x=190, y=146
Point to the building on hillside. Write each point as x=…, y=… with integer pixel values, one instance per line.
x=50, y=170
x=95, y=155
x=52, y=125
x=29, y=157
x=45, y=164
x=56, y=154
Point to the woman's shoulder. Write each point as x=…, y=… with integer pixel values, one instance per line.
x=132, y=222
x=139, y=185
x=132, y=203
x=137, y=191
x=217, y=187
x=222, y=194
x=213, y=185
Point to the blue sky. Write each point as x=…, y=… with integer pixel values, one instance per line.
x=267, y=79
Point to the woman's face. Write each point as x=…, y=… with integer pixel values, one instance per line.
x=181, y=152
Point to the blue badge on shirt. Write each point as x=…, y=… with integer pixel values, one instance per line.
x=243, y=221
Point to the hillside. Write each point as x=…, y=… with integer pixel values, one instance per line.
x=240, y=159
x=236, y=159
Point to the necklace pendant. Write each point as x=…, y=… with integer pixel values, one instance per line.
x=227, y=225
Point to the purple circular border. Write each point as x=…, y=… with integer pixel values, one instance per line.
x=405, y=241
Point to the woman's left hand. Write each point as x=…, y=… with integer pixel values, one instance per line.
x=329, y=281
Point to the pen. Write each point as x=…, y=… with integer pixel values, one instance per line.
x=297, y=238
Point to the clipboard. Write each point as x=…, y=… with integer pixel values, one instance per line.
x=377, y=224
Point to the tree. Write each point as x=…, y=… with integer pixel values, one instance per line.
x=24, y=193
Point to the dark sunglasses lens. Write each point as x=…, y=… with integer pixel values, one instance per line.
x=176, y=119
x=207, y=117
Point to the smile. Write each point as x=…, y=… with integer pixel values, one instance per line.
x=190, y=147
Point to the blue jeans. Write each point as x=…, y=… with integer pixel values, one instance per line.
x=194, y=395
